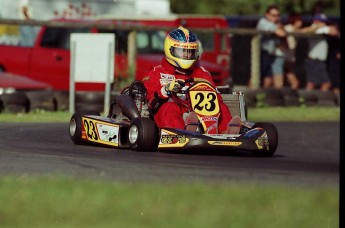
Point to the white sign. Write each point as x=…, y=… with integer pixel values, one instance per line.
x=92, y=57
x=92, y=60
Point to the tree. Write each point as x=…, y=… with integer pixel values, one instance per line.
x=257, y=7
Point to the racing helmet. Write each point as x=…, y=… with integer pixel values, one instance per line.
x=181, y=48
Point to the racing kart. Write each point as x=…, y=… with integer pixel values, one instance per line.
x=130, y=124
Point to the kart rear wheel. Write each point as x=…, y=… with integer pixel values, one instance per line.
x=142, y=134
x=75, y=125
x=272, y=135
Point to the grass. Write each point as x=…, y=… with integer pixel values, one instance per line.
x=270, y=114
x=302, y=114
x=68, y=202
x=36, y=116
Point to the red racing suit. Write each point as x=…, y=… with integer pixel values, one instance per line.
x=169, y=113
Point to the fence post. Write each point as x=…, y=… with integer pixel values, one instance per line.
x=132, y=53
x=255, y=62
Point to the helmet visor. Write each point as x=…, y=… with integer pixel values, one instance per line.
x=184, y=53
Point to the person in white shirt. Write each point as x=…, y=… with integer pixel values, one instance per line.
x=316, y=66
x=272, y=57
x=27, y=32
x=25, y=11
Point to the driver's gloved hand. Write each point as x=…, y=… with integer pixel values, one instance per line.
x=174, y=86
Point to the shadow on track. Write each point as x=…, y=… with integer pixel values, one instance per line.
x=225, y=153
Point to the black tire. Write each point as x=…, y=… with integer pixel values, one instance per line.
x=15, y=102
x=327, y=98
x=41, y=100
x=272, y=135
x=89, y=97
x=84, y=107
x=89, y=101
x=291, y=97
x=13, y=108
x=307, y=98
x=250, y=97
x=274, y=97
x=142, y=134
x=17, y=98
x=62, y=100
x=75, y=126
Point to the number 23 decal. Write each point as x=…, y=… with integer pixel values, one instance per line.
x=91, y=130
x=205, y=103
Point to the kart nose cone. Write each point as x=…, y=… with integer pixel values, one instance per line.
x=133, y=134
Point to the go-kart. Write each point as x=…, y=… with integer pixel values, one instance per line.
x=130, y=124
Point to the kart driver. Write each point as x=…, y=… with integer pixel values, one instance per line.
x=181, y=62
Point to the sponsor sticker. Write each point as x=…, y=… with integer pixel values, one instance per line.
x=224, y=143
x=100, y=132
x=166, y=78
x=209, y=118
x=170, y=139
x=193, y=46
x=173, y=139
x=262, y=143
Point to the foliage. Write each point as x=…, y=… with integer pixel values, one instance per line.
x=258, y=7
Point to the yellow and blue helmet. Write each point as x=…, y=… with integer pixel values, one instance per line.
x=181, y=48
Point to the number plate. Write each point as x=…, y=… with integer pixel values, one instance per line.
x=100, y=132
x=204, y=100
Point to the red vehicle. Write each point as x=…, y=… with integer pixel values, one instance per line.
x=48, y=60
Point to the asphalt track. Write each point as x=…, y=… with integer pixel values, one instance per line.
x=307, y=155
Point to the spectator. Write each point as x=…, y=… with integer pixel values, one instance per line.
x=294, y=25
x=272, y=56
x=27, y=31
x=25, y=11
x=316, y=65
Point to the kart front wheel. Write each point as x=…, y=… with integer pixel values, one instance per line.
x=142, y=134
x=75, y=125
x=272, y=135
